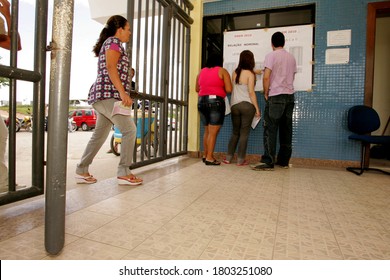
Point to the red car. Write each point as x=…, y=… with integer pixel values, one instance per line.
x=84, y=118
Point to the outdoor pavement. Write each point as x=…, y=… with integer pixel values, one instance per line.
x=103, y=167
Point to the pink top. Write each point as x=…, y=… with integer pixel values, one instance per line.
x=210, y=83
x=283, y=67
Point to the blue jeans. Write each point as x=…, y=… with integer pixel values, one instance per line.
x=211, y=109
x=278, y=116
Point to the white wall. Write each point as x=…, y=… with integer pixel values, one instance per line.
x=101, y=10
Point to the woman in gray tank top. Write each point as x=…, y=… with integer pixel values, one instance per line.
x=244, y=107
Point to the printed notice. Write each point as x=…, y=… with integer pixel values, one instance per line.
x=339, y=38
x=337, y=56
x=299, y=42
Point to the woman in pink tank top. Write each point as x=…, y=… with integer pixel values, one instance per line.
x=212, y=84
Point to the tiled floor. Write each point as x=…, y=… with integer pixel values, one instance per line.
x=186, y=210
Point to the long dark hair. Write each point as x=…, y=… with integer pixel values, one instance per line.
x=112, y=25
x=247, y=62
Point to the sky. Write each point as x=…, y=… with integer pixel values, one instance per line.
x=85, y=33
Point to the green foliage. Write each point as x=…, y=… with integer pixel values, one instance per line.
x=4, y=82
x=21, y=109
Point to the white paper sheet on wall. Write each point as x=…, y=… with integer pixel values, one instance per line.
x=299, y=42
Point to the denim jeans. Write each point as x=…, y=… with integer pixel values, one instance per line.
x=278, y=116
x=242, y=116
x=211, y=109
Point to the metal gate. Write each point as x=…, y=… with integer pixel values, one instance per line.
x=36, y=76
x=159, y=52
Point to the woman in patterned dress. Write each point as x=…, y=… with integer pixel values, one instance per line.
x=112, y=84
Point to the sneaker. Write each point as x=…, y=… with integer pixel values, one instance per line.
x=263, y=167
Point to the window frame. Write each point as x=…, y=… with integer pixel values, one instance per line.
x=225, y=21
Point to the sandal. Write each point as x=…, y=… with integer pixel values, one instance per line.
x=82, y=179
x=131, y=181
x=225, y=161
x=243, y=163
x=215, y=162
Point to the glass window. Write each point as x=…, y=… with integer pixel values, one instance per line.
x=213, y=37
x=214, y=26
x=290, y=18
x=243, y=22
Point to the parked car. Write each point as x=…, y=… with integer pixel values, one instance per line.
x=84, y=118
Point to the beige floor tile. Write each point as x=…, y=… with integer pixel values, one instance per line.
x=83, y=222
x=114, y=206
x=83, y=249
x=174, y=244
x=225, y=212
x=123, y=233
x=152, y=213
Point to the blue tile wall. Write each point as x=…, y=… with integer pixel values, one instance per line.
x=320, y=128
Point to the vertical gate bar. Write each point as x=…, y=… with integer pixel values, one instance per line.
x=152, y=80
x=165, y=53
x=137, y=55
x=186, y=85
x=178, y=82
x=38, y=156
x=182, y=86
x=139, y=13
x=158, y=58
x=159, y=69
x=152, y=50
x=12, y=98
x=130, y=19
x=58, y=130
x=129, y=49
x=145, y=68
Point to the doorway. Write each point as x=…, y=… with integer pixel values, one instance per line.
x=377, y=85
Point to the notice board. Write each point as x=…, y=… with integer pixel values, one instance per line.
x=299, y=42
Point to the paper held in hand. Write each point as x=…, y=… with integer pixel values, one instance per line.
x=255, y=121
x=121, y=109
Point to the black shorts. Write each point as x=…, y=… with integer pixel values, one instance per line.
x=211, y=109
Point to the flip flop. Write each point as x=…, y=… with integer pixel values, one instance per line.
x=89, y=179
x=130, y=181
x=243, y=163
x=215, y=162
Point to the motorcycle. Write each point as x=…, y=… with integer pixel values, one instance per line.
x=18, y=123
x=72, y=127
x=25, y=123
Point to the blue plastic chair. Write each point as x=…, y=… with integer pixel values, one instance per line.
x=362, y=120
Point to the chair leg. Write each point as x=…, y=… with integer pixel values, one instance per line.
x=359, y=170
x=379, y=170
x=362, y=168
